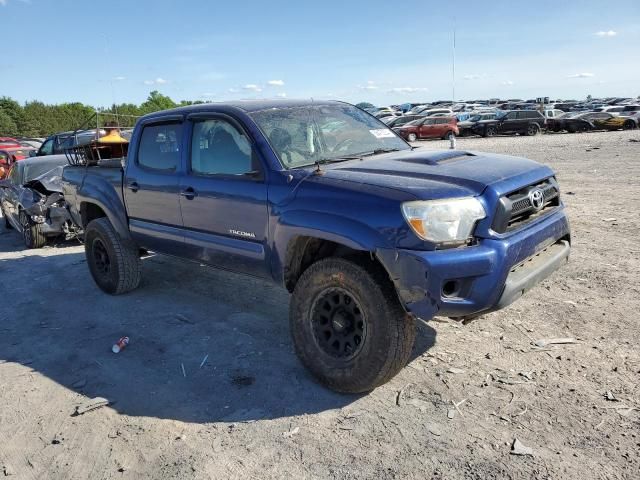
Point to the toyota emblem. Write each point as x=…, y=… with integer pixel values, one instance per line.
x=536, y=197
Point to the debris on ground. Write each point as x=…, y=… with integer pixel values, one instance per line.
x=610, y=396
x=455, y=370
x=91, y=404
x=291, y=432
x=517, y=448
x=554, y=341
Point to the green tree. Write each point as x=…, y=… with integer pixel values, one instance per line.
x=8, y=127
x=157, y=101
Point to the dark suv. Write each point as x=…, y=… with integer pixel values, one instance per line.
x=524, y=122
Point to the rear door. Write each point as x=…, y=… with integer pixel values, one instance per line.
x=152, y=186
x=223, y=197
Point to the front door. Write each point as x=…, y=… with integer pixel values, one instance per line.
x=151, y=188
x=223, y=198
x=426, y=129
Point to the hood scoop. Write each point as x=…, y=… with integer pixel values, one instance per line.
x=436, y=158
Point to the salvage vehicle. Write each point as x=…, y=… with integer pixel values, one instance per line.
x=615, y=123
x=524, y=122
x=465, y=127
x=365, y=231
x=10, y=154
x=428, y=127
x=400, y=121
x=31, y=200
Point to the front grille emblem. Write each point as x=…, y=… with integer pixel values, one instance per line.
x=536, y=197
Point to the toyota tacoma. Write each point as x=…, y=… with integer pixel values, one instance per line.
x=367, y=232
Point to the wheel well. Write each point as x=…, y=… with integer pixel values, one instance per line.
x=304, y=251
x=90, y=211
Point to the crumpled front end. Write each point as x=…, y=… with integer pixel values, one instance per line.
x=471, y=280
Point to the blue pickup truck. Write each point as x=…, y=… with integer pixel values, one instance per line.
x=365, y=231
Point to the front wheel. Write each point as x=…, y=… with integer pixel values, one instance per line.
x=7, y=223
x=490, y=131
x=31, y=232
x=412, y=137
x=449, y=135
x=348, y=326
x=114, y=264
x=629, y=125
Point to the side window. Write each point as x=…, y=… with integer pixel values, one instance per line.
x=219, y=148
x=160, y=147
x=430, y=121
x=46, y=148
x=511, y=116
x=13, y=175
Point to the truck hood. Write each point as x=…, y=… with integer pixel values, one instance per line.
x=439, y=174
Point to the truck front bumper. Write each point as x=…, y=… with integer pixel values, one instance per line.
x=468, y=281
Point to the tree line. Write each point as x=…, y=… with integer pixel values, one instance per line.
x=37, y=119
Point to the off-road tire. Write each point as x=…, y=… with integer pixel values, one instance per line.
x=31, y=232
x=114, y=264
x=412, y=137
x=390, y=331
x=490, y=131
x=533, y=129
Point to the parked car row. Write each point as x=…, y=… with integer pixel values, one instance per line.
x=487, y=118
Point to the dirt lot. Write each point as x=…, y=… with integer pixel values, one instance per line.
x=252, y=411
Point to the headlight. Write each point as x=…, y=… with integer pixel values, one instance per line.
x=444, y=221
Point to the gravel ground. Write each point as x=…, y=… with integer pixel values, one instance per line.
x=251, y=410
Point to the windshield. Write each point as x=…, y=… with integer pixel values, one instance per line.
x=304, y=135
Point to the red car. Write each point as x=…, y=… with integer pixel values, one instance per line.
x=12, y=153
x=429, y=127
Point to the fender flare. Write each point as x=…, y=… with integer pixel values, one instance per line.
x=334, y=228
x=102, y=194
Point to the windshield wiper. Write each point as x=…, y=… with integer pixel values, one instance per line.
x=378, y=151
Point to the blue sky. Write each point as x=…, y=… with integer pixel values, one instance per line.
x=379, y=51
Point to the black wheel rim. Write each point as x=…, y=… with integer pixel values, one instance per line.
x=26, y=228
x=101, y=258
x=339, y=324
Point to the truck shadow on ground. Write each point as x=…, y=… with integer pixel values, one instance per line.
x=205, y=345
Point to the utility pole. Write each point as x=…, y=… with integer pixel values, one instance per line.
x=453, y=64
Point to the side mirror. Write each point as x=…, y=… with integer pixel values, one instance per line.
x=33, y=153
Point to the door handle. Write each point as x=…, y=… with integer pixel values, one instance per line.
x=189, y=193
x=133, y=186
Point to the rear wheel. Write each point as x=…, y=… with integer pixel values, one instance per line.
x=348, y=326
x=412, y=137
x=31, y=232
x=533, y=129
x=115, y=265
x=629, y=125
